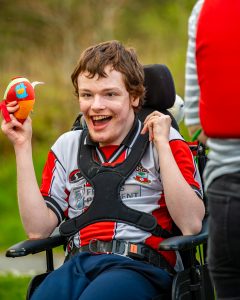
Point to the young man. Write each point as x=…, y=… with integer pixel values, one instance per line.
x=108, y=81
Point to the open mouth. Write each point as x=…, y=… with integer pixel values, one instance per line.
x=100, y=120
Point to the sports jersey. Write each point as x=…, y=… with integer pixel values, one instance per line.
x=68, y=193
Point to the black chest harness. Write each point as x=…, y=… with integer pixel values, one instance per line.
x=107, y=182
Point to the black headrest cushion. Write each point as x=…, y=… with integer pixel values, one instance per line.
x=160, y=89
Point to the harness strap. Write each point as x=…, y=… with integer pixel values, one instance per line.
x=135, y=251
x=107, y=181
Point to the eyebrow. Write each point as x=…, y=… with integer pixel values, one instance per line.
x=104, y=90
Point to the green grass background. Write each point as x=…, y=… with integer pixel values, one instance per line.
x=13, y=288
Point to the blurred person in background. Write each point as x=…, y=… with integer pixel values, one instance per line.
x=211, y=112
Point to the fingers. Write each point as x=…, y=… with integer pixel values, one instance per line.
x=11, y=103
x=9, y=125
x=12, y=129
x=28, y=121
x=158, y=126
x=12, y=106
x=153, y=114
x=146, y=126
x=9, y=108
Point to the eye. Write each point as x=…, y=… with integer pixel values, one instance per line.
x=85, y=95
x=111, y=94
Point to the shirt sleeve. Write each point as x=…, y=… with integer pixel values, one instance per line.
x=191, y=97
x=187, y=165
x=53, y=186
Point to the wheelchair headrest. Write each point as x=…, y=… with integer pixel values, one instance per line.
x=160, y=89
x=160, y=92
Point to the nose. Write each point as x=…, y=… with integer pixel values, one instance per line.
x=98, y=102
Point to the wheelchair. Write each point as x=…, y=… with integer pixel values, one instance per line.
x=193, y=283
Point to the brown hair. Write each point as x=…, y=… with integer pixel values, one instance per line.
x=124, y=60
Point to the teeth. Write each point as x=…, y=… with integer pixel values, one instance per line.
x=97, y=118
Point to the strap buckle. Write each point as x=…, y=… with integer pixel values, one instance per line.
x=120, y=247
x=93, y=246
x=115, y=246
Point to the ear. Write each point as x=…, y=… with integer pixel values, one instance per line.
x=134, y=101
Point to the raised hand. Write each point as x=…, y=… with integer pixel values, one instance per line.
x=16, y=132
x=158, y=125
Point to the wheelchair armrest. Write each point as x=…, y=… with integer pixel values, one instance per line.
x=186, y=242
x=35, y=246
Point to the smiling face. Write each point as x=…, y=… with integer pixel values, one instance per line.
x=106, y=106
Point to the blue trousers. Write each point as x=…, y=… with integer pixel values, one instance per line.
x=103, y=277
x=224, y=235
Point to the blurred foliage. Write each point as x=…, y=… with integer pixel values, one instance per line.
x=42, y=41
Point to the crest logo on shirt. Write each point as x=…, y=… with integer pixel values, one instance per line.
x=75, y=176
x=142, y=175
x=82, y=196
x=79, y=197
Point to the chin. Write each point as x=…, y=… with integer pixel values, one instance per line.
x=97, y=138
